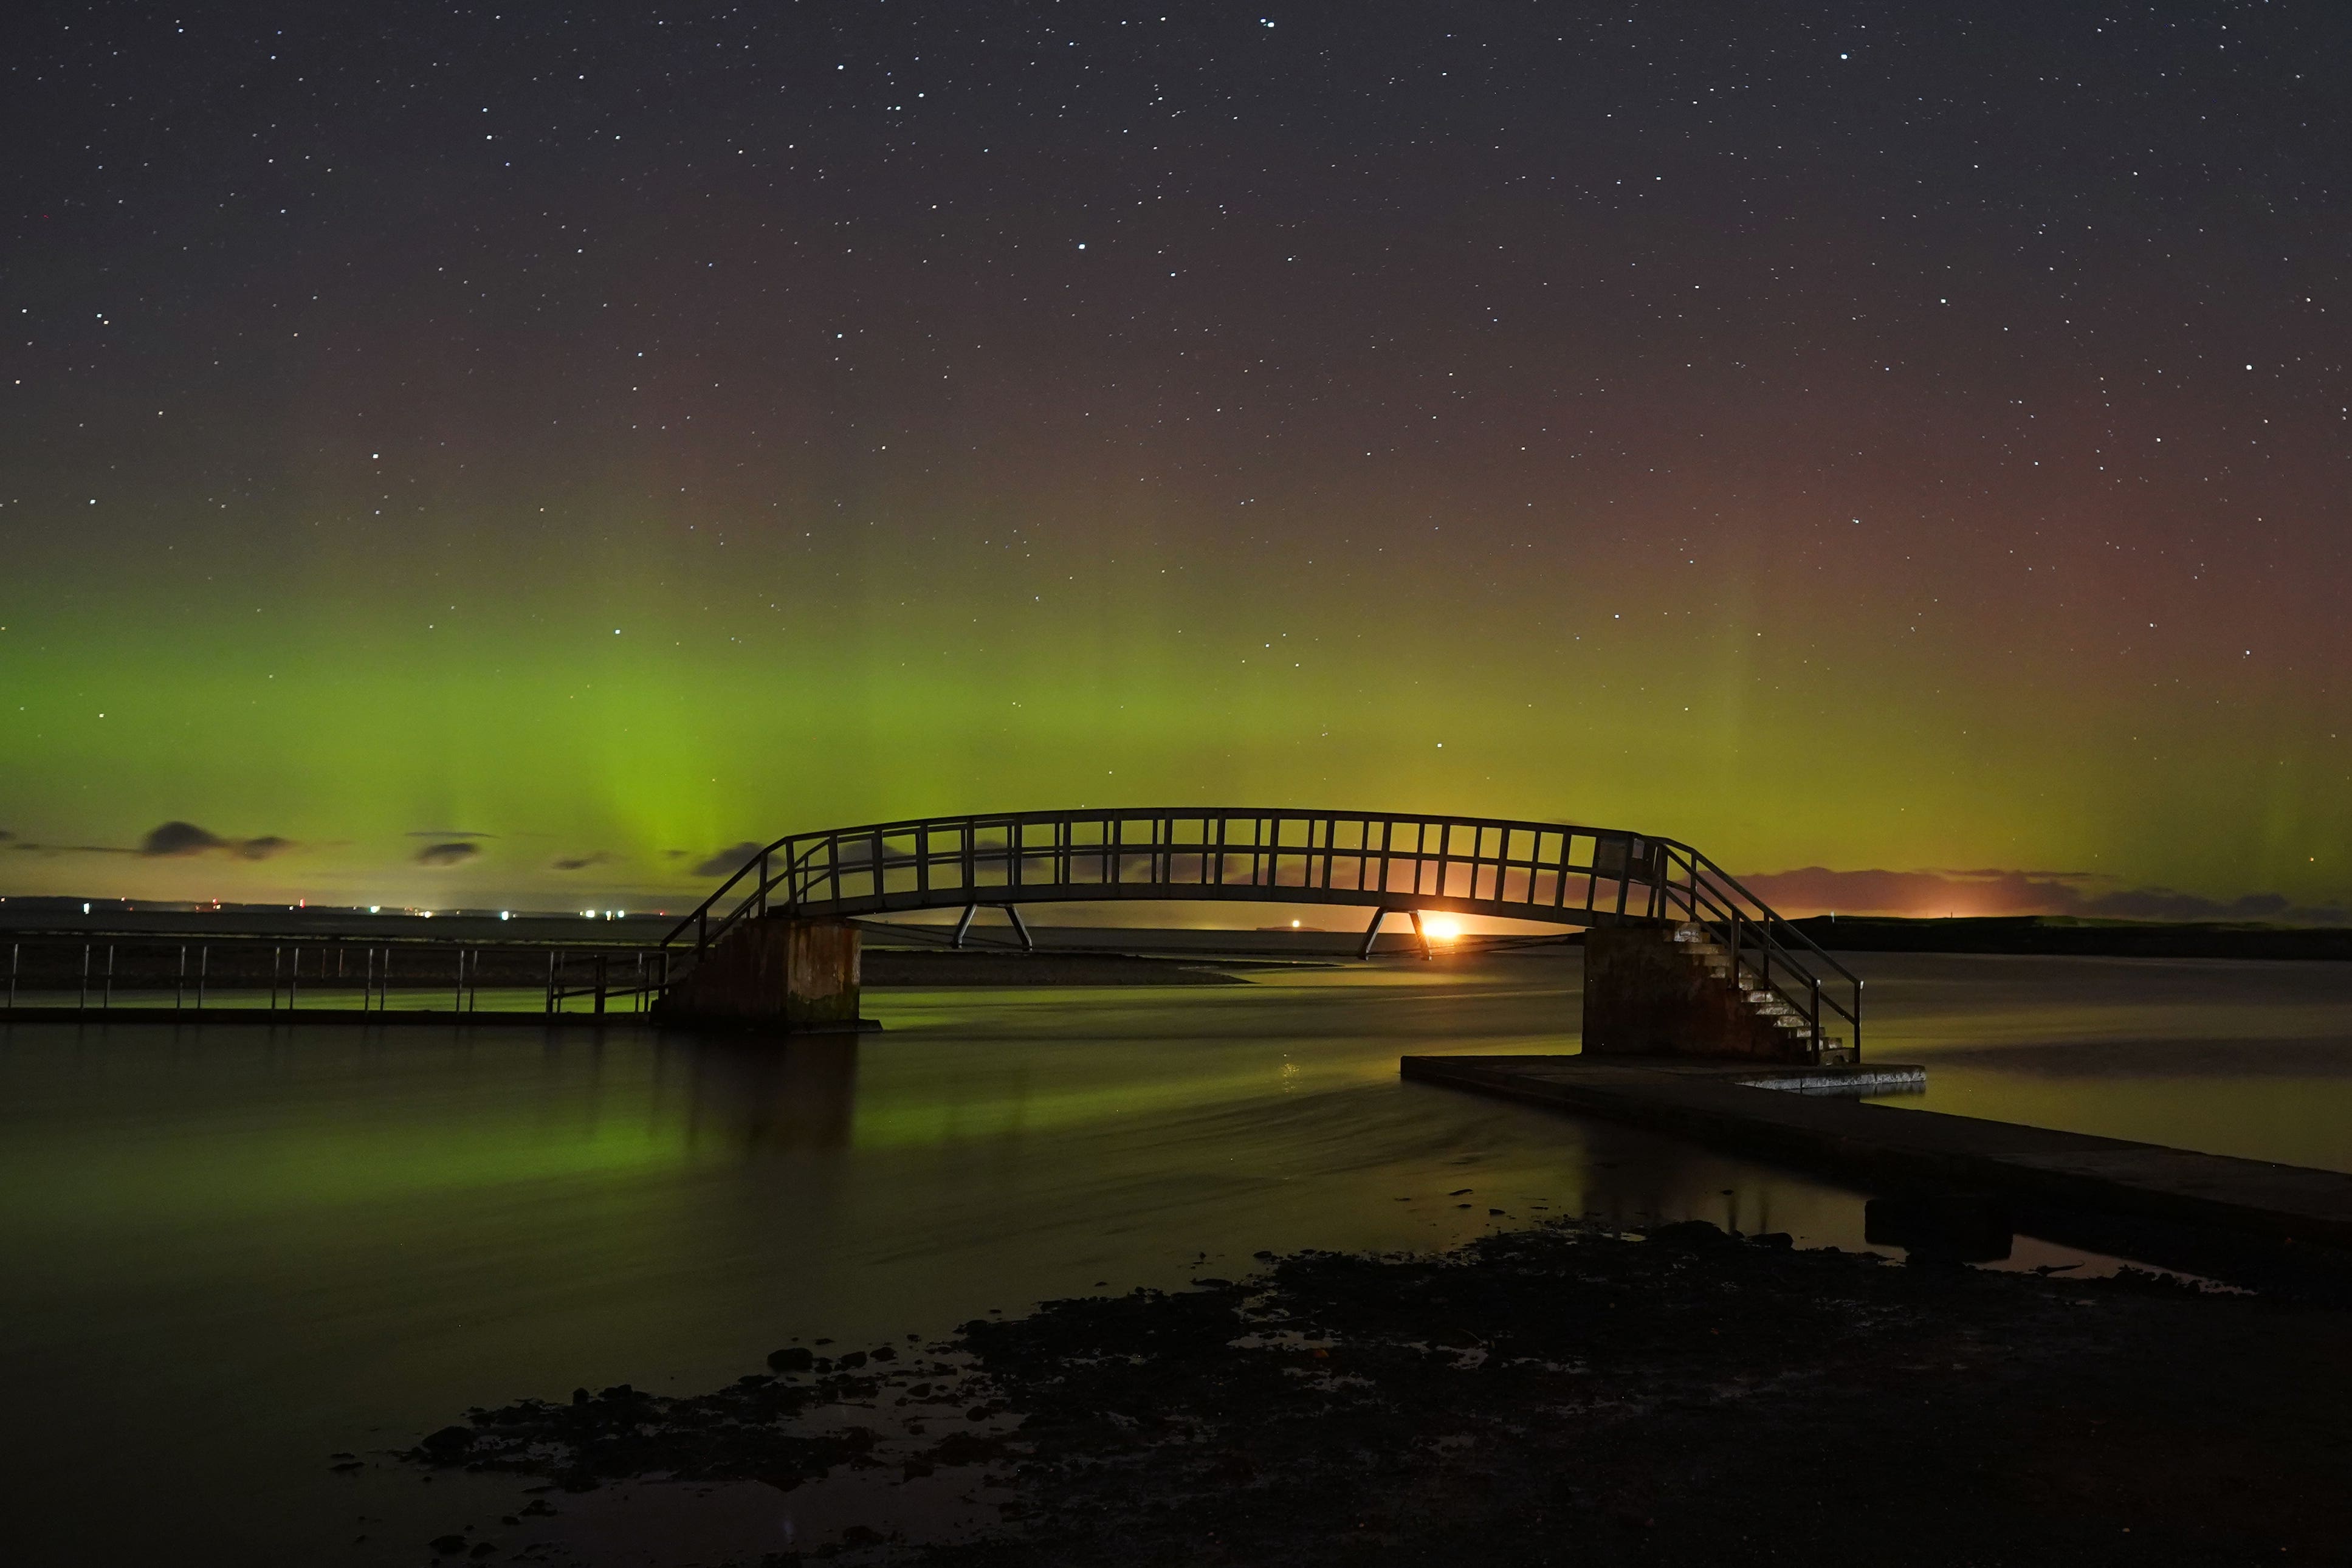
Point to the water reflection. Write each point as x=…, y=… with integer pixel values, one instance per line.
x=2246, y=1059
x=766, y=1096
x=234, y=1251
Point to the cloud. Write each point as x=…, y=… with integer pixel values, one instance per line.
x=730, y=860
x=447, y=833
x=455, y=853
x=1993, y=891
x=582, y=862
x=177, y=840
x=180, y=838
x=1981, y=892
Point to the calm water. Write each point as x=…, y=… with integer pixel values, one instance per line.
x=2253, y=1059
x=232, y=1252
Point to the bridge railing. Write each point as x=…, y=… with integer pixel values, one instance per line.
x=97, y=971
x=1557, y=873
x=1769, y=952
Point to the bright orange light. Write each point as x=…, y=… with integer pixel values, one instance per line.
x=1441, y=928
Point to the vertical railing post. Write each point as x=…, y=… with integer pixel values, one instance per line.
x=105, y=997
x=294, y=978
x=1817, y=1011
x=15, y=956
x=180, y=979
x=83, y=1002
x=550, y=980
x=276, y=954
x=458, y=1001
x=600, y=985
x=763, y=882
x=204, y=968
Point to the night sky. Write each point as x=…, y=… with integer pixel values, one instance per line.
x=460, y=454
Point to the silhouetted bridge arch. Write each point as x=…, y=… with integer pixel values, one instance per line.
x=1549, y=872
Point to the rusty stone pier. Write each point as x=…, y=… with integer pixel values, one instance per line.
x=801, y=975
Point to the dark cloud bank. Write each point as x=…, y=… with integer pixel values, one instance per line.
x=178, y=840
x=2006, y=892
x=730, y=860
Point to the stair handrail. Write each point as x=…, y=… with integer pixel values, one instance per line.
x=698, y=920
x=1709, y=884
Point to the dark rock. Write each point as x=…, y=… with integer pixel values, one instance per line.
x=851, y=1361
x=448, y=1545
x=1215, y=1284
x=791, y=1359
x=449, y=1441
x=1778, y=1240
x=579, y=1396
x=861, y=1535
x=885, y=1352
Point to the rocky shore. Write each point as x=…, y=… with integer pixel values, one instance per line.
x=1560, y=1394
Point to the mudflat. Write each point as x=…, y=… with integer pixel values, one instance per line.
x=1566, y=1394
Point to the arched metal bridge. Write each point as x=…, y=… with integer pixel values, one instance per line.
x=1554, y=873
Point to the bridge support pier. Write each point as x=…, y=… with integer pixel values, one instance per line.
x=1648, y=995
x=794, y=975
x=1012, y=912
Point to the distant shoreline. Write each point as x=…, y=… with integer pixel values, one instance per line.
x=2058, y=937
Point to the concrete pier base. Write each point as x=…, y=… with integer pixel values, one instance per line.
x=1648, y=995
x=798, y=975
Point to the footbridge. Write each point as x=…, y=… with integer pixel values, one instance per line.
x=1681, y=958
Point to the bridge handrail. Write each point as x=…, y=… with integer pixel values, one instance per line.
x=698, y=920
x=1787, y=961
x=1740, y=930
x=1736, y=885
